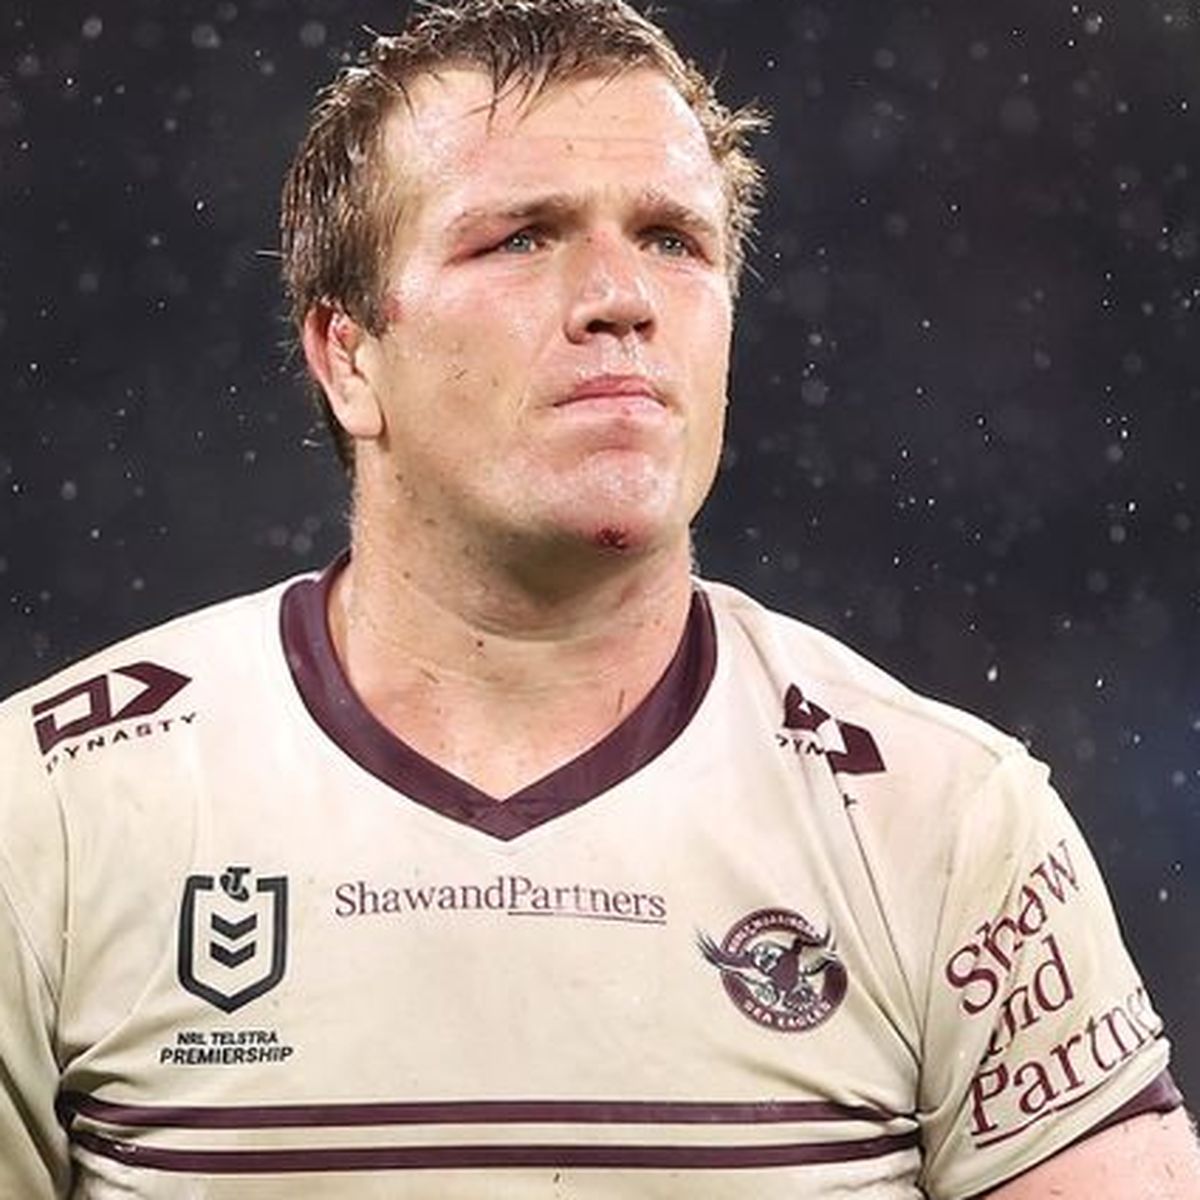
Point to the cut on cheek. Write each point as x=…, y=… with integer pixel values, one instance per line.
x=612, y=537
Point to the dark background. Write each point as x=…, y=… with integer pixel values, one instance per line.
x=965, y=419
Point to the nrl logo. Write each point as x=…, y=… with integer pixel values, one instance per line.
x=232, y=937
x=778, y=970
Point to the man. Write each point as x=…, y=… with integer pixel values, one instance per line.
x=506, y=858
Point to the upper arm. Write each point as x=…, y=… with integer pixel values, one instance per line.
x=1149, y=1157
x=33, y=1154
x=1038, y=1031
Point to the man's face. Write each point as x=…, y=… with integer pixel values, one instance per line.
x=559, y=313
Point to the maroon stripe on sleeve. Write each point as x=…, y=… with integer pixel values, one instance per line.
x=470, y=1112
x=410, y=1158
x=1159, y=1096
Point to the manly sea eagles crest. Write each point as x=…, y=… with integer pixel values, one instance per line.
x=778, y=970
x=232, y=936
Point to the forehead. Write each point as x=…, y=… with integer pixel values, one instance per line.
x=455, y=144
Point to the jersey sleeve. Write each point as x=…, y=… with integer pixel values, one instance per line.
x=34, y=1162
x=1037, y=1029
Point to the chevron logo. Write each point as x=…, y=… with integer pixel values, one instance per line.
x=233, y=932
x=232, y=936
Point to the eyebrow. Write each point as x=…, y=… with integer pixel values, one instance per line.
x=652, y=204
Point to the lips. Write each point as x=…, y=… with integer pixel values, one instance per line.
x=613, y=387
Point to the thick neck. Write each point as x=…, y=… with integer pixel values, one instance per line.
x=493, y=677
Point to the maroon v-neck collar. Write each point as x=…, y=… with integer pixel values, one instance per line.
x=642, y=735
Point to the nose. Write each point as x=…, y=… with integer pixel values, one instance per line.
x=608, y=292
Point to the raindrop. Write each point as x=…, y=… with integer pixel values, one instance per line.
x=206, y=37
x=11, y=111
x=312, y=34
x=814, y=392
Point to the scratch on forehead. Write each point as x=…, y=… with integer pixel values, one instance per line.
x=681, y=148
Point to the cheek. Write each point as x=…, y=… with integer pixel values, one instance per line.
x=709, y=315
x=710, y=363
x=480, y=333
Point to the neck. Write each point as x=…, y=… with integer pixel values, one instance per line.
x=501, y=675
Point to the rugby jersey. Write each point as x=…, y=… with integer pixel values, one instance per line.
x=789, y=930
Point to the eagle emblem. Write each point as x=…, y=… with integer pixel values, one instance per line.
x=778, y=970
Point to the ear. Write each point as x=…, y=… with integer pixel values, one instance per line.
x=334, y=346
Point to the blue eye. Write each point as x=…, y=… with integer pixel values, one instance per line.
x=673, y=245
x=524, y=241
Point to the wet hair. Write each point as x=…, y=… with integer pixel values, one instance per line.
x=340, y=204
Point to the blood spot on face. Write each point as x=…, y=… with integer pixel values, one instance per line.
x=609, y=537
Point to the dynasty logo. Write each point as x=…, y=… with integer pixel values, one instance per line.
x=849, y=749
x=232, y=936
x=127, y=698
x=778, y=970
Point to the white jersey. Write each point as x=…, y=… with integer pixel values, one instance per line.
x=789, y=931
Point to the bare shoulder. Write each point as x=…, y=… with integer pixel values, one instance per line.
x=1153, y=1156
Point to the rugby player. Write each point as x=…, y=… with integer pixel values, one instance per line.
x=506, y=857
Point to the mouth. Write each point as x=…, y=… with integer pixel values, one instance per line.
x=619, y=393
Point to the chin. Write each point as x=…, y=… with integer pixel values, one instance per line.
x=630, y=507
x=616, y=538
x=622, y=532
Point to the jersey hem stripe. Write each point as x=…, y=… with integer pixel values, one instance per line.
x=470, y=1112
x=376, y=1158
